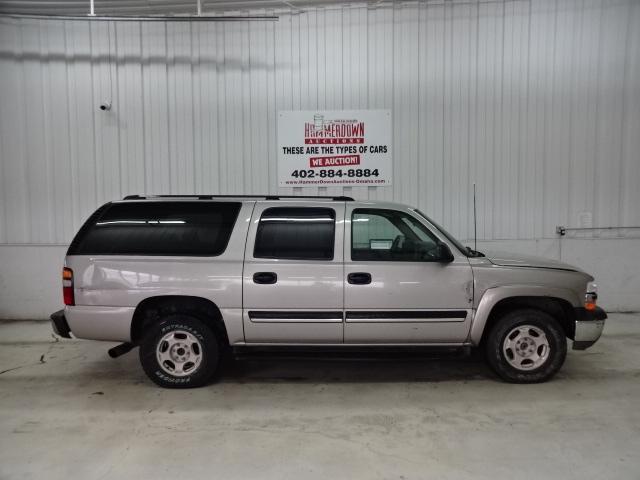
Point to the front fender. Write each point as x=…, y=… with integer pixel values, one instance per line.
x=492, y=296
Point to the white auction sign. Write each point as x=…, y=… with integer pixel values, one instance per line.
x=341, y=147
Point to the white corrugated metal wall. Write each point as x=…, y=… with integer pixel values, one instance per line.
x=538, y=102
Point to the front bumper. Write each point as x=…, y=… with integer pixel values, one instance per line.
x=588, y=328
x=60, y=325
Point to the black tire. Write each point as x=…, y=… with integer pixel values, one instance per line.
x=206, y=348
x=554, y=358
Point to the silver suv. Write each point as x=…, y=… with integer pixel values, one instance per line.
x=188, y=278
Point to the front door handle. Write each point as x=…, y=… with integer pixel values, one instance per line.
x=359, y=278
x=265, y=278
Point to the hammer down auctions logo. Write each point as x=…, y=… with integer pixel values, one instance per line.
x=323, y=131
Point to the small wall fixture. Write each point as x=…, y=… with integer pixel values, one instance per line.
x=105, y=106
x=562, y=231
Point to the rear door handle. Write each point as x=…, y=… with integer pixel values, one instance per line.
x=265, y=278
x=359, y=278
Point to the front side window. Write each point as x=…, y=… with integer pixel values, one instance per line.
x=390, y=235
x=448, y=236
x=296, y=233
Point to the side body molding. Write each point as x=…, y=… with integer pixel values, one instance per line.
x=492, y=296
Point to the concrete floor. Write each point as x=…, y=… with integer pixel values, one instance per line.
x=69, y=411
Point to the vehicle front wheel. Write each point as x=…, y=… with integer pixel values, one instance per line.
x=180, y=351
x=526, y=346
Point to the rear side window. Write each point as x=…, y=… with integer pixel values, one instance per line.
x=158, y=228
x=296, y=233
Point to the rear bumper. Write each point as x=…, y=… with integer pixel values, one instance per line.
x=60, y=325
x=588, y=328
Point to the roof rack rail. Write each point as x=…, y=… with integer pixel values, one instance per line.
x=265, y=197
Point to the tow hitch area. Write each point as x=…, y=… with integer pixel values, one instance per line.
x=121, y=349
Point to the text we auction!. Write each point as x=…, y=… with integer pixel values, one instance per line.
x=344, y=147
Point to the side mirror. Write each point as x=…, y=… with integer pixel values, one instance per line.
x=444, y=253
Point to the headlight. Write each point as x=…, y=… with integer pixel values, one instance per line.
x=591, y=296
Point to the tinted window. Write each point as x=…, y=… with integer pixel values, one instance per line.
x=296, y=233
x=390, y=235
x=158, y=228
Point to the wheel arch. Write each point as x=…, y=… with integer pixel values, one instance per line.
x=151, y=309
x=497, y=301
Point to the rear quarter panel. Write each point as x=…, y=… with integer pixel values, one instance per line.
x=124, y=281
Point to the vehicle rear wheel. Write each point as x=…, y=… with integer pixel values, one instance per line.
x=180, y=351
x=526, y=346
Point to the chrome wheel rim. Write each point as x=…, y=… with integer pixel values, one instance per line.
x=526, y=347
x=179, y=353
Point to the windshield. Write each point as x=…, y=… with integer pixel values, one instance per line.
x=446, y=234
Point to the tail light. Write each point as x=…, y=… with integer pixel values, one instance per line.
x=591, y=297
x=67, y=286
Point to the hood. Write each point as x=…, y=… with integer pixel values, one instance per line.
x=516, y=260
